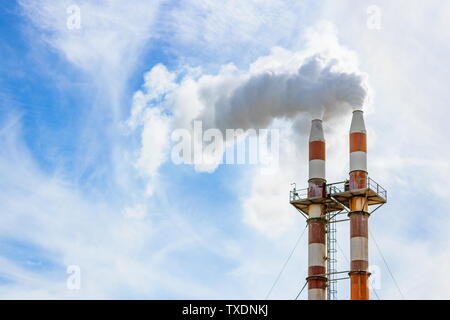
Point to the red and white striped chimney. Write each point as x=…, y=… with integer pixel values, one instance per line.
x=316, y=222
x=359, y=215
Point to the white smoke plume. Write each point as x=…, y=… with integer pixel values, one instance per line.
x=321, y=81
x=317, y=86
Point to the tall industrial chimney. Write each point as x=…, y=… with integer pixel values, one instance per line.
x=323, y=202
x=359, y=213
x=317, y=279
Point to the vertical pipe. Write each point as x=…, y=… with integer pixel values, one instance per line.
x=359, y=214
x=317, y=279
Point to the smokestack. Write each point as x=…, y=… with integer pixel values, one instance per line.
x=316, y=222
x=359, y=214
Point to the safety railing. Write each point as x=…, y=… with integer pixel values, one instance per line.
x=298, y=194
x=337, y=187
x=377, y=188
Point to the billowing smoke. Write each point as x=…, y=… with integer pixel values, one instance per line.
x=317, y=86
x=283, y=87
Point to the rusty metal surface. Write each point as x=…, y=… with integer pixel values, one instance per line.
x=359, y=203
x=359, y=265
x=316, y=232
x=316, y=189
x=316, y=271
x=358, y=180
x=319, y=283
x=330, y=204
x=359, y=225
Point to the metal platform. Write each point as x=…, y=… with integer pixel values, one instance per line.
x=338, y=197
x=376, y=195
x=373, y=198
x=330, y=204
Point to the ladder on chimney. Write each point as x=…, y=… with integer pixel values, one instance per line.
x=331, y=256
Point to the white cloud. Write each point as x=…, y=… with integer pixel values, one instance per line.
x=155, y=137
x=237, y=30
x=138, y=211
x=104, y=51
x=110, y=36
x=129, y=251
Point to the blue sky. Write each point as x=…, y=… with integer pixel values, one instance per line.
x=85, y=173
